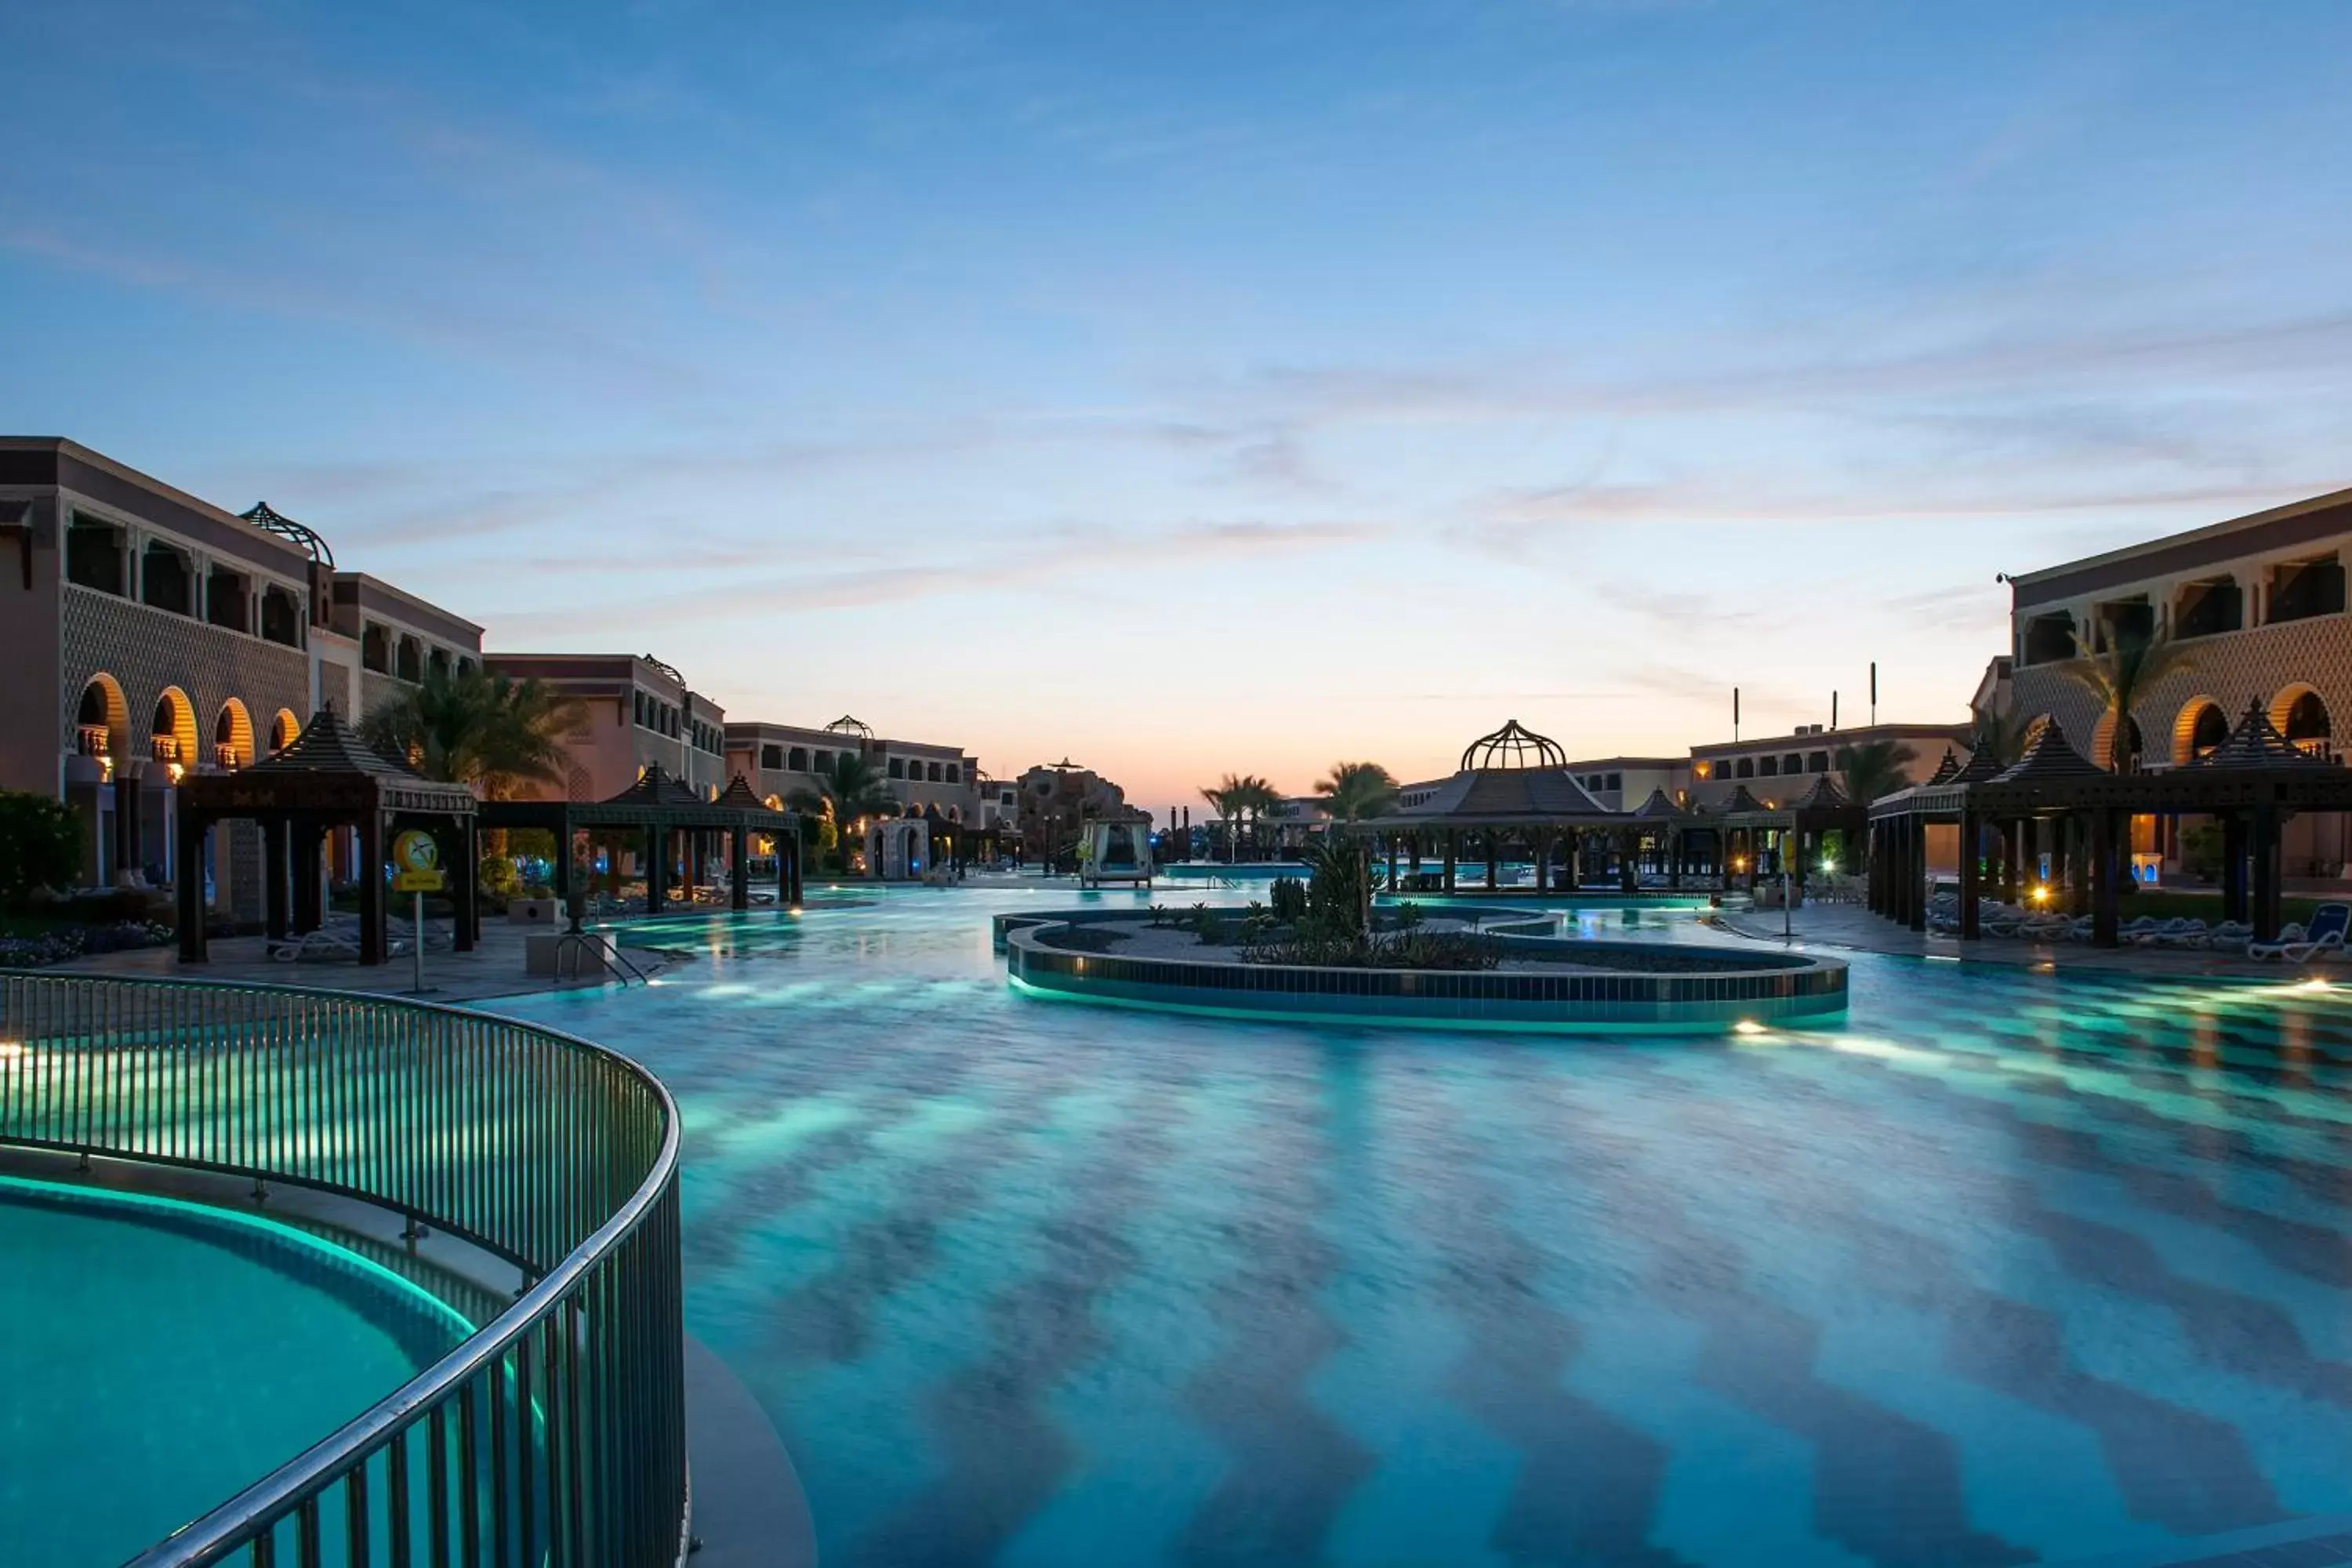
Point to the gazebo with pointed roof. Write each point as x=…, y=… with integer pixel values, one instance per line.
x=326, y=778
x=1513, y=785
x=658, y=805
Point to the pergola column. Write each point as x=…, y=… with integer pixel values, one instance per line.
x=1393, y=860
x=464, y=903
x=2104, y=911
x=1452, y=851
x=2233, y=866
x=273, y=878
x=310, y=870
x=189, y=887
x=1971, y=876
x=1494, y=847
x=2265, y=851
x=656, y=868
x=1629, y=849
x=1918, y=879
x=739, y=870
x=374, y=943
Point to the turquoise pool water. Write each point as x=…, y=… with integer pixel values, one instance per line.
x=2011, y=1268
x=156, y=1358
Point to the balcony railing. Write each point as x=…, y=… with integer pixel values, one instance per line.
x=92, y=740
x=164, y=748
x=556, y=1435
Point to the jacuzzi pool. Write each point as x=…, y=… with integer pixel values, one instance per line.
x=158, y=1357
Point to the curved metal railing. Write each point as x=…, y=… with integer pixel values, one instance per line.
x=556, y=1433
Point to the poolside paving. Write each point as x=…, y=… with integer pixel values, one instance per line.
x=1853, y=929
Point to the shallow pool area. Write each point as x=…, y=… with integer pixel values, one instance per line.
x=2012, y=1266
x=159, y=1357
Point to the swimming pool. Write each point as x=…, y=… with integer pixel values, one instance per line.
x=158, y=1357
x=2012, y=1266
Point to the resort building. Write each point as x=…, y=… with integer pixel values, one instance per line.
x=635, y=711
x=1055, y=797
x=1621, y=782
x=1778, y=768
x=2258, y=604
x=927, y=777
x=147, y=635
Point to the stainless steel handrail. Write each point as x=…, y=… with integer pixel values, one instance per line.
x=556, y=1432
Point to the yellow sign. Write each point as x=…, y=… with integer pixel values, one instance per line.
x=415, y=863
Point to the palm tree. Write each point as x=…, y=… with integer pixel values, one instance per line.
x=1258, y=797
x=1874, y=769
x=2133, y=661
x=1354, y=791
x=846, y=791
x=1226, y=798
x=474, y=727
x=1999, y=735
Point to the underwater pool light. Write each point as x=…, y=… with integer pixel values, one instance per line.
x=1747, y=1026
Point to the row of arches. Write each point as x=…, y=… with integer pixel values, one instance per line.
x=2201, y=724
x=103, y=728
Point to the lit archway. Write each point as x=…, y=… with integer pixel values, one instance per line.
x=233, y=736
x=2102, y=740
x=2200, y=726
x=173, y=732
x=102, y=719
x=284, y=729
x=2301, y=714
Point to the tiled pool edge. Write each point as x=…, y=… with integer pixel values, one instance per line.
x=1799, y=991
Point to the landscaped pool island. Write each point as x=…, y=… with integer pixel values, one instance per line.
x=1502, y=969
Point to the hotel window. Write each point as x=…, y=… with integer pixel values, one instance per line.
x=799, y=760
x=637, y=707
x=94, y=554
x=1817, y=761
x=1768, y=767
x=224, y=598
x=2207, y=609
x=165, y=580
x=934, y=773
x=376, y=648
x=465, y=665
x=1744, y=769
x=2049, y=639
x=771, y=758
x=1616, y=781
x=2122, y=620
x=955, y=774
x=898, y=767
x=2302, y=589
x=824, y=762
x=1792, y=764
x=281, y=617
x=408, y=659
x=438, y=663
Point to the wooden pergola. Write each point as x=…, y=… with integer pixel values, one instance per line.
x=1797, y=827
x=326, y=779
x=2251, y=783
x=658, y=808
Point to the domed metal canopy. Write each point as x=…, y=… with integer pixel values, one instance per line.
x=1513, y=747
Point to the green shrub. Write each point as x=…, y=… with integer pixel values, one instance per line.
x=1338, y=887
x=1288, y=896
x=40, y=847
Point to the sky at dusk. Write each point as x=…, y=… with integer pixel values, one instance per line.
x=1206, y=387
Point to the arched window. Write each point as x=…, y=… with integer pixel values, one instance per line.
x=101, y=719
x=232, y=736
x=173, y=732
x=409, y=660
x=2200, y=727
x=376, y=648
x=898, y=767
x=2307, y=722
x=284, y=729
x=1744, y=769
x=933, y=772
x=797, y=762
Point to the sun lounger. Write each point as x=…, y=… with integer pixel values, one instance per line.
x=2329, y=923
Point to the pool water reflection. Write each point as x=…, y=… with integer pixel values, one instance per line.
x=2011, y=1268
